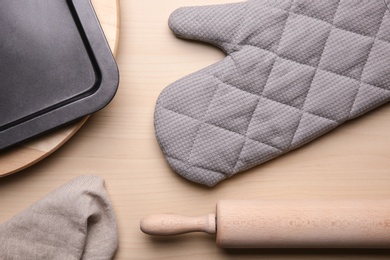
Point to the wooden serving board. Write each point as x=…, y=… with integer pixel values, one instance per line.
x=31, y=152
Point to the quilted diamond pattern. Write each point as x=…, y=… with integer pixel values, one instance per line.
x=251, y=75
x=368, y=97
x=295, y=70
x=307, y=42
x=362, y=17
x=209, y=141
x=321, y=10
x=310, y=127
x=354, y=48
x=289, y=82
x=274, y=123
x=384, y=31
x=222, y=110
x=377, y=67
x=331, y=103
x=269, y=23
x=194, y=101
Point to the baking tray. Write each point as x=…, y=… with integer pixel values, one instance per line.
x=55, y=66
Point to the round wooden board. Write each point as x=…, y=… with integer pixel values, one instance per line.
x=31, y=152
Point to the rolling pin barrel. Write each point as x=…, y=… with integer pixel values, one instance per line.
x=303, y=224
x=286, y=224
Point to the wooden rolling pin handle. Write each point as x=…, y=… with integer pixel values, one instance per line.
x=167, y=225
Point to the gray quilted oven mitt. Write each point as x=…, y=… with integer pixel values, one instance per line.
x=294, y=71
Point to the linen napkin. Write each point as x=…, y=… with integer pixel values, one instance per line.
x=74, y=222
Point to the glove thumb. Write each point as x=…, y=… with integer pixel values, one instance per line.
x=215, y=24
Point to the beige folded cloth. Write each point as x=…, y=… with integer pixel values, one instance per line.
x=74, y=222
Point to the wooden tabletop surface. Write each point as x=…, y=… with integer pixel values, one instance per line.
x=118, y=144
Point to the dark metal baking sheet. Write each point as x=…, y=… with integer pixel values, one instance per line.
x=55, y=66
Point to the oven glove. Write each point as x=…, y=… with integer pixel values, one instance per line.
x=294, y=71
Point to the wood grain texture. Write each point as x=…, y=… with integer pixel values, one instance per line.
x=31, y=152
x=303, y=223
x=118, y=144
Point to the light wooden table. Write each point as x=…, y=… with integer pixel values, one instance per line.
x=118, y=143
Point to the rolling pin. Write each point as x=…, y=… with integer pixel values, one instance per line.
x=285, y=224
